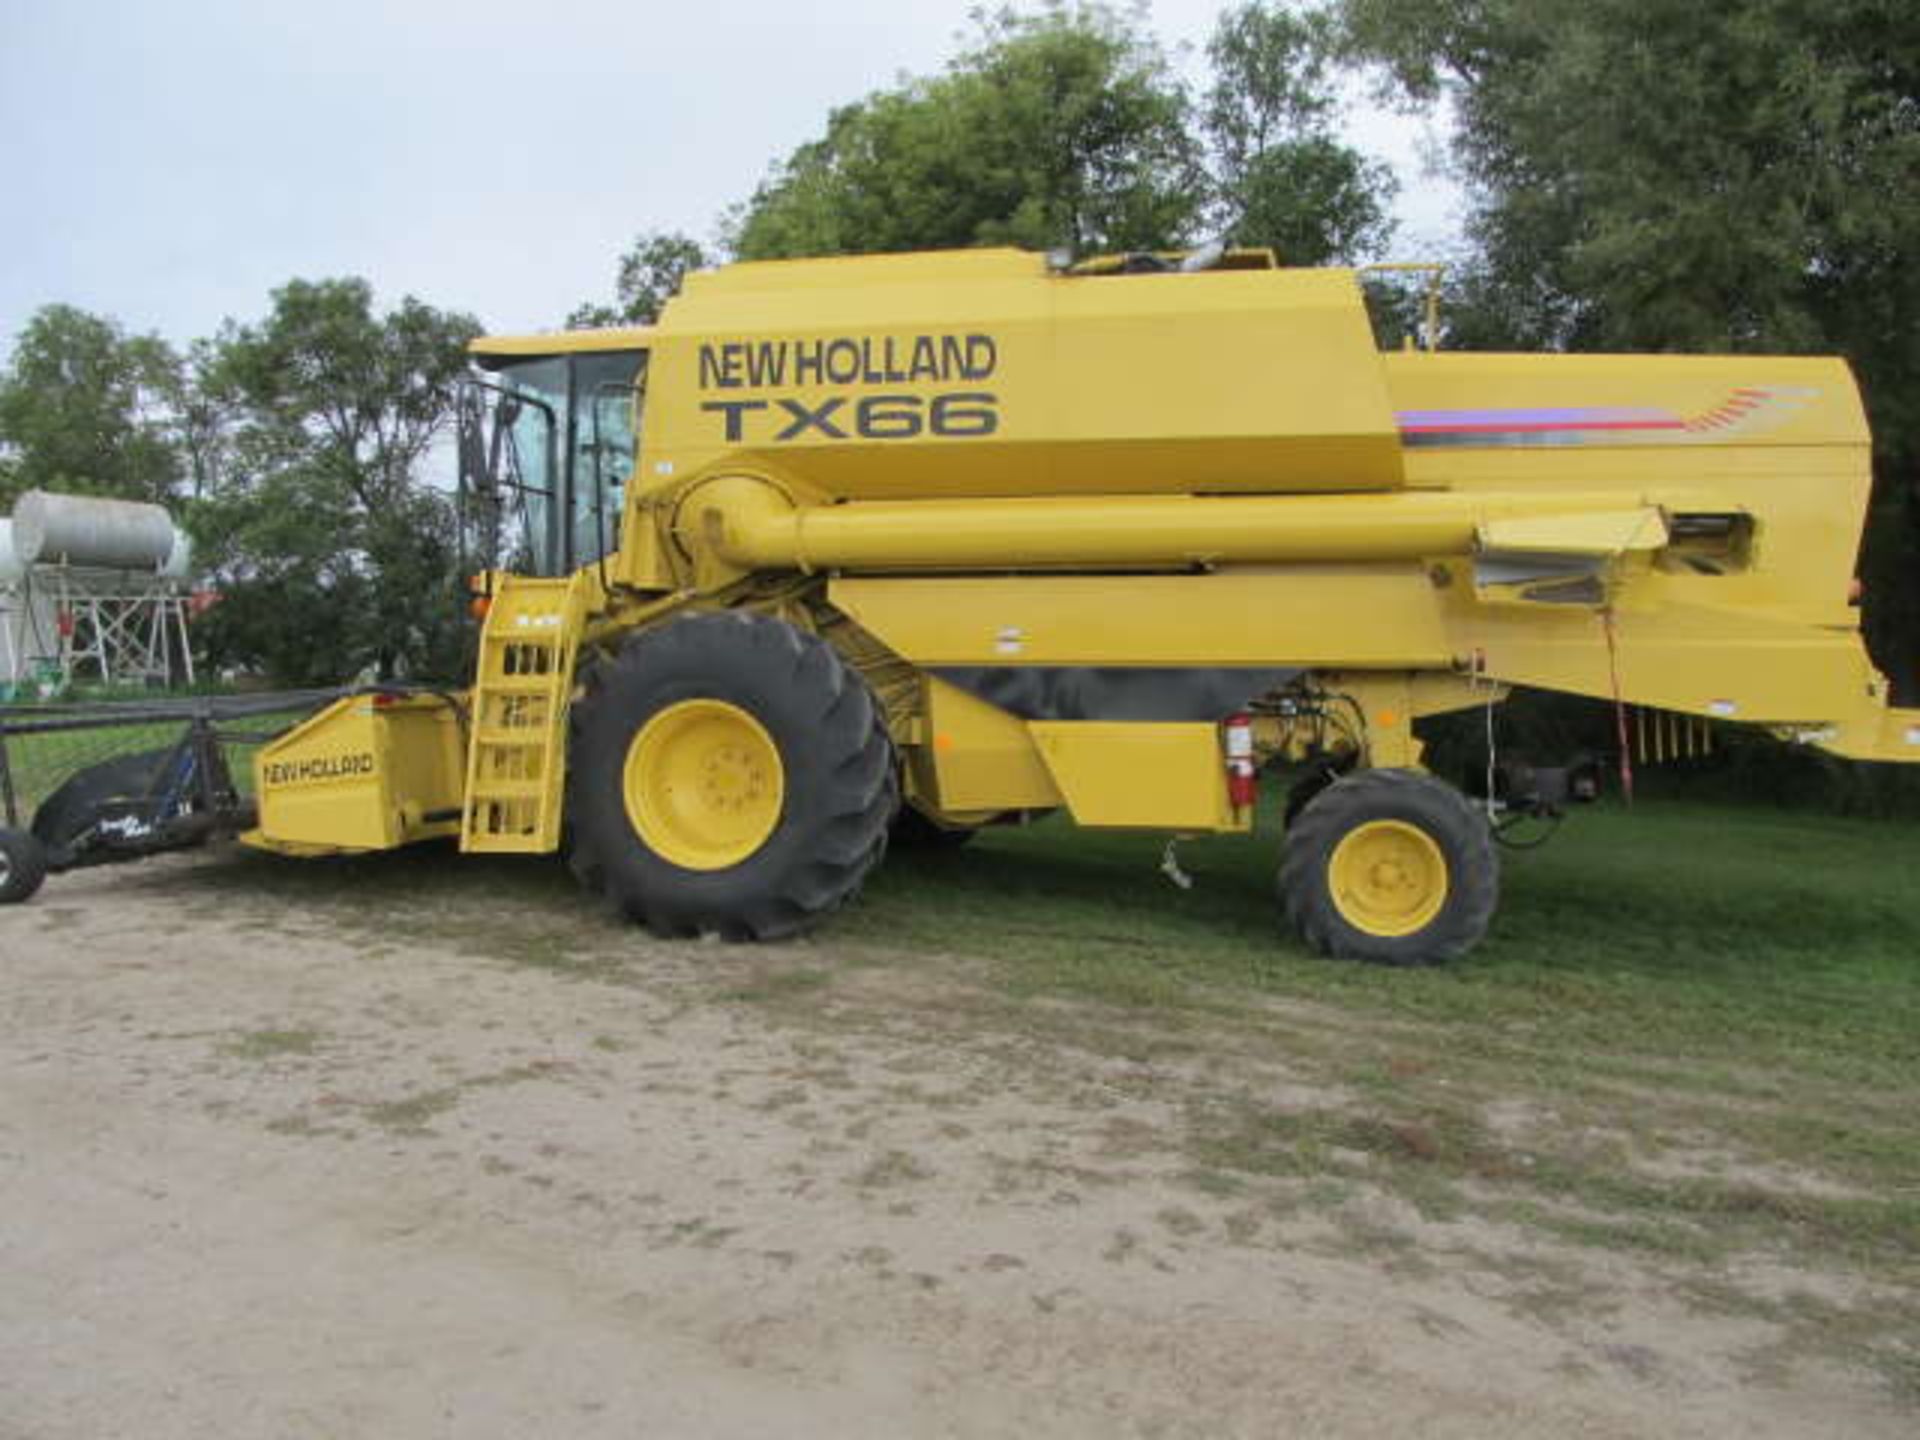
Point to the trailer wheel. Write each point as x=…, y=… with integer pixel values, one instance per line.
x=1390, y=866
x=729, y=774
x=23, y=866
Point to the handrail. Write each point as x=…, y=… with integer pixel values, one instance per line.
x=1436, y=272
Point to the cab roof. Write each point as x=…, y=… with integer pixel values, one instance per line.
x=501, y=348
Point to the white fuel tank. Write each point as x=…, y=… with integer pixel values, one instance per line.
x=12, y=568
x=53, y=529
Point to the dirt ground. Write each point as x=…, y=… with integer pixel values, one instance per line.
x=274, y=1162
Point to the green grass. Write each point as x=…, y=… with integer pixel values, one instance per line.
x=272, y=1044
x=41, y=763
x=1743, y=940
x=412, y=1114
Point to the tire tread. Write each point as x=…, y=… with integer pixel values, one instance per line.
x=1473, y=867
x=769, y=896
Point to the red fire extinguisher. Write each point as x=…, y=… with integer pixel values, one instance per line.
x=1241, y=783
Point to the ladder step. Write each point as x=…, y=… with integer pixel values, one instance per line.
x=505, y=792
x=533, y=644
x=479, y=842
x=527, y=737
x=519, y=685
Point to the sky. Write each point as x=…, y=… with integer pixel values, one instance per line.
x=170, y=162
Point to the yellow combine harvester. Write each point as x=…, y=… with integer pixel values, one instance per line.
x=983, y=535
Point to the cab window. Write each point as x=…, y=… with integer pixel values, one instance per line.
x=606, y=397
x=565, y=434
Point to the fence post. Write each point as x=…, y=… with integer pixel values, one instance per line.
x=6, y=780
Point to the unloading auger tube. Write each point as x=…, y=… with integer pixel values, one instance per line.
x=750, y=523
x=989, y=538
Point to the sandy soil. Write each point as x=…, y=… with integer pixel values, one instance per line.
x=264, y=1175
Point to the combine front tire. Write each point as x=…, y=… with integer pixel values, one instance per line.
x=23, y=866
x=1390, y=866
x=729, y=774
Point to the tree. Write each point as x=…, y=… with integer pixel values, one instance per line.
x=649, y=276
x=203, y=419
x=87, y=409
x=1281, y=177
x=294, y=599
x=1649, y=173
x=334, y=553
x=1065, y=128
x=1655, y=174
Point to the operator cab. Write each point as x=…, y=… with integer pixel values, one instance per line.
x=547, y=431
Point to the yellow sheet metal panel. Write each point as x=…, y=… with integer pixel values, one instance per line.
x=1138, y=776
x=1278, y=366
x=979, y=757
x=426, y=763
x=1731, y=664
x=361, y=776
x=1388, y=704
x=324, y=783
x=1385, y=616
x=982, y=373
x=1445, y=692
x=1764, y=632
x=1588, y=533
x=561, y=342
x=1875, y=734
x=895, y=375
x=1782, y=439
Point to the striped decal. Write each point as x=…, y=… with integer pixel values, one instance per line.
x=1743, y=410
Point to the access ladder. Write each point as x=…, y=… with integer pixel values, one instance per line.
x=516, y=760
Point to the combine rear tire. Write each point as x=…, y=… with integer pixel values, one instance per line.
x=23, y=866
x=729, y=774
x=1390, y=866
x=1307, y=789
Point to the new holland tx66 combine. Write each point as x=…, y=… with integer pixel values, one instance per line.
x=932, y=541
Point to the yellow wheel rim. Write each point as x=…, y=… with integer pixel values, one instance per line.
x=1388, y=878
x=704, y=784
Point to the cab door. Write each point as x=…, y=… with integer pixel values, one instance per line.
x=604, y=422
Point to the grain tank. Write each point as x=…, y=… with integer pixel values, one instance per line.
x=916, y=544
